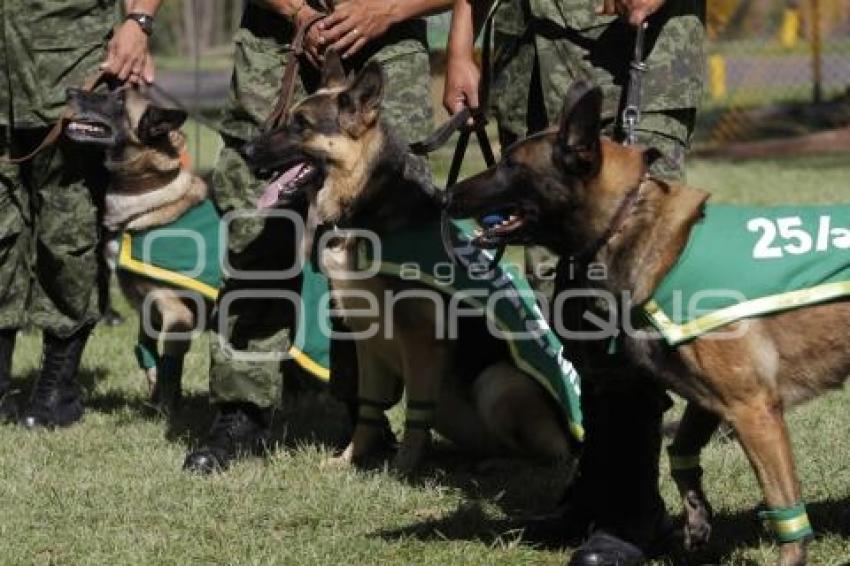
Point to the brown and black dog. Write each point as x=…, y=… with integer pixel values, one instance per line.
x=337, y=153
x=151, y=185
x=590, y=198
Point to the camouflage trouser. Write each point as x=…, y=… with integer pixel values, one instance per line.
x=528, y=92
x=260, y=326
x=49, y=253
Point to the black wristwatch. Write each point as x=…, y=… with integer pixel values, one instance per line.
x=145, y=21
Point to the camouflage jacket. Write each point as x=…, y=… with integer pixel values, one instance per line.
x=574, y=41
x=262, y=45
x=45, y=47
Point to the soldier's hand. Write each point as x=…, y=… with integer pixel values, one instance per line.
x=354, y=24
x=127, y=55
x=462, y=80
x=636, y=11
x=315, y=40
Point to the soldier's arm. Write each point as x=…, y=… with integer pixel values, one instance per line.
x=462, y=74
x=354, y=24
x=299, y=12
x=128, y=56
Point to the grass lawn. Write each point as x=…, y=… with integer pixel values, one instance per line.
x=110, y=491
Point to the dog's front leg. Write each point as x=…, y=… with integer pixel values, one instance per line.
x=178, y=322
x=763, y=434
x=695, y=430
x=147, y=353
x=426, y=362
x=378, y=389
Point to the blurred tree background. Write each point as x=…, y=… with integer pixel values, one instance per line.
x=188, y=28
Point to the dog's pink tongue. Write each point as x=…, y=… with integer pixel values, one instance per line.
x=271, y=193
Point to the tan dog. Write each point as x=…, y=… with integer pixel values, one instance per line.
x=589, y=198
x=336, y=152
x=152, y=186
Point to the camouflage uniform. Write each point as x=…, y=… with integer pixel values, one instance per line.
x=262, y=325
x=551, y=43
x=48, y=215
x=542, y=46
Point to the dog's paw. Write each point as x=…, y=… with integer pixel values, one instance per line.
x=411, y=452
x=697, y=535
x=343, y=460
x=698, y=523
x=406, y=462
x=150, y=378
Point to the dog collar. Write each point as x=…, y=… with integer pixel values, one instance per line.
x=616, y=225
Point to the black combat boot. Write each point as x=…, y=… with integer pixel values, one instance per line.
x=55, y=399
x=8, y=410
x=238, y=430
x=618, y=480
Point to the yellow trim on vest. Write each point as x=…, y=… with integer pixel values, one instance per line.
x=126, y=261
x=310, y=365
x=675, y=334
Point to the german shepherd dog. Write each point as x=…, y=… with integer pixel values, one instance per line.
x=151, y=186
x=336, y=152
x=582, y=195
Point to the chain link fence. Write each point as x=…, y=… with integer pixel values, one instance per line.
x=776, y=69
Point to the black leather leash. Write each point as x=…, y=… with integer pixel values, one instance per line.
x=467, y=122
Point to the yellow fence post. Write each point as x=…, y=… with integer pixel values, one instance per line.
x=790, y=32
x=717, y=77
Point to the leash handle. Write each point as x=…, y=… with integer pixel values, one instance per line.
x=479, y=128
x=631, y=113
x=55, y=132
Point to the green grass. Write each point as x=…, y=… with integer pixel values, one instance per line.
x=111, y=491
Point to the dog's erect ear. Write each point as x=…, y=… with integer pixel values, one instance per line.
x=157, y=122
x=360, y=104
x=333, y=74
x=578, y=137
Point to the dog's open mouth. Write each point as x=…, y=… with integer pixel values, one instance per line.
x=499, y=228
x=288, y=184
x=83, y=130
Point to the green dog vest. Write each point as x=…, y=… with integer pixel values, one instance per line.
x=503, y=296
x=743, y=262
